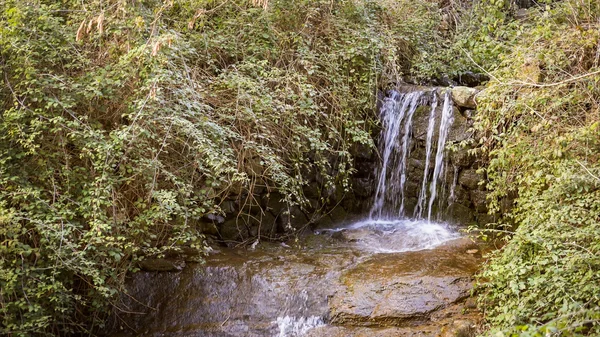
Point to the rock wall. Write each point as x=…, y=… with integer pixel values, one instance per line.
x=462, y=199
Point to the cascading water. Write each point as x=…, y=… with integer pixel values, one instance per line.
x=445, y=124
x=430, y=126
x=397, y=114
x=389, y=187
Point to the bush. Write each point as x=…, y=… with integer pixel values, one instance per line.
x=124, y=123
x=540, y=125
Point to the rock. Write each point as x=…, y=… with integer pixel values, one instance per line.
x=312, y=190
x=229, y=207
x=478, y=198
x=363, y=187
x=362, y=152
x=459, y=130
x=207, y=228
x=484, y=218
x=459, y=214
x=464, y=97
x=365, y=169
x=233, y=230
x=460, y=328
x=525, y=3
x=461, y=196
x=265, y=224
x=462, y=158
x=161, y=265
x=294, y=219
x=338, y=214
x=276, y=203
x=399, y=290
x=421, y=122
x=469, y=179
x=471, y=79
x=215, y=218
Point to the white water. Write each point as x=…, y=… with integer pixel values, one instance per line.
x=393, y=112
x=445, y=124
x=290, y=326
x=430, y=126
x=452, y=196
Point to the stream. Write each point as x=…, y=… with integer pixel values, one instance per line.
x=384, y=275
x=382, y=278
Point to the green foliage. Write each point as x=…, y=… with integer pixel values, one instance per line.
x=125, y=122
x=540, y=125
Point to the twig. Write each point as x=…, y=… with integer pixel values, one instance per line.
x=588, y=171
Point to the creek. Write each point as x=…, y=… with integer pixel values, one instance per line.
x=396, y=272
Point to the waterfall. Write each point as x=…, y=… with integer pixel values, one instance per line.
x=393, y=113
x=430, y=126
x=445, y=124
x=396, y=113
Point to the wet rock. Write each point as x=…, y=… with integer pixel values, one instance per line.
x=399, y=290
x=161, y=265
x=365, y=169
x=265, y=224
x=460, y=128
x=362, y=152
x=478, y=198
x=229, y=207
x=462, y=158
x=421, y=122
x=363, y=187
x=338, y=214
x=294, y=219
x=215, y=218
x=312, y=190
x=464, y=97
x=276, y=203
x=461, y=196
x=409, y=204
x=459, y=214
x=469, y=179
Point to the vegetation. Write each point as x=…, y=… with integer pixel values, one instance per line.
x=125, y=122
x=540, y=117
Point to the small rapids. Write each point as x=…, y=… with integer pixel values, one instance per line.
x=394, y=235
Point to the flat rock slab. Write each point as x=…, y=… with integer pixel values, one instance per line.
x=403, y=289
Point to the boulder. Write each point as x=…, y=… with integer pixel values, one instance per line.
x=471, y=79
x=363, y=187
x=459, y=214
x=401, y=290
x=469, y=179
x=459, y=130
x=292, y=219
x=478, y=198
x=233, y=230
x=464, y=97
x=462, y=158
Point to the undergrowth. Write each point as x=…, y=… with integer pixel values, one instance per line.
x=125, y=122
x=539, y=118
